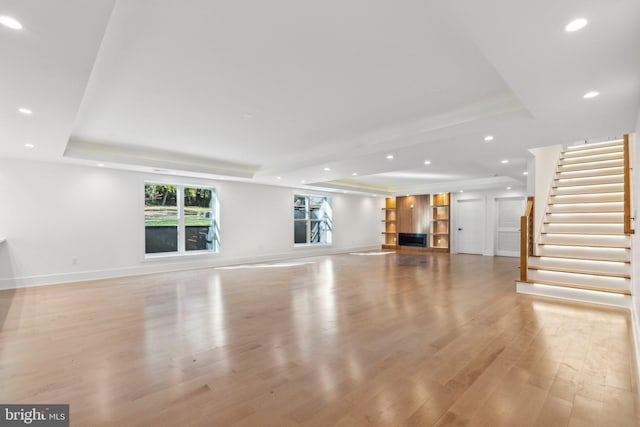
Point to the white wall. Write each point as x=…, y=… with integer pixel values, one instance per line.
x=546, y=161
x=52, y=213
x=488, y=214
x=635, y=240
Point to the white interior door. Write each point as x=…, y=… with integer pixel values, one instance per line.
x=508, y=213
x=470, y=226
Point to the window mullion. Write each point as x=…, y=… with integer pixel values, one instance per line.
x=180, y=209
x=307, y=216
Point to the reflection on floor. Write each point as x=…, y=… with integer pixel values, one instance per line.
x=341, y=340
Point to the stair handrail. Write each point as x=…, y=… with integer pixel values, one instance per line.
x=526, y=239
x=627, y=187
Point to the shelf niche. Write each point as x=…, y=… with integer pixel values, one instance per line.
x=440, y=216
x=389, y=220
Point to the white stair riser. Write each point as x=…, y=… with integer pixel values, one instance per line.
x=590, y=172
x=587, y=207
x=586, y=201
x=590, y=217
x=615, y=254
x=590, y=189
x=594, y=165
x=584, y=229
x=581, y=265
x=591, y=158
x=612, y=283
x=607, y=179
x=587, y=198
x=601, y=150
x=578, y=239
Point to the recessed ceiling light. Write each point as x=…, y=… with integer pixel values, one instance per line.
x=278, y=177
x=25, y=111
x=591, y=94
x=303, y=181
x=427, y=162
x=390, y=157
x=100, y=165
x=525, y=173
x=508, y=188
x=327, y=169
x=488, y=138
x=29, y=145
x=504, y=161
x=576, y=24
x=461, y=191
x=10, y=22
x=354, y=174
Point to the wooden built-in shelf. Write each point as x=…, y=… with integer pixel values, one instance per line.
x=390, y=218
x=421, y=214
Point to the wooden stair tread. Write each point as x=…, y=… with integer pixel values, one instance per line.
x=603, y=152
x=584, y=222
x=588, y=185
x=588, y=288
x=588, y=202
x=592, y=151
x=594, y=145
x=590, y=159
x=585, y=258
x=574, y=183
x=594, y=175
x=585, y=212
x=589, y=168
x=581, y=168
x=586, y=272
x=586, y=245
x=591, y=233
x=590, y=192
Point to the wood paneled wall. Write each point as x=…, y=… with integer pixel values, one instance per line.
x=416, y=219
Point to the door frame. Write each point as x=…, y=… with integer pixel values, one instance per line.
x=523, y=199
x=455, y=222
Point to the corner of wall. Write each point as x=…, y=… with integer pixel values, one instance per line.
x=545, y=163
x=635, y=248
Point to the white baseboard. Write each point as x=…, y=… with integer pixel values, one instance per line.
x=635, y=330
x=581, y=295
x=167, y=265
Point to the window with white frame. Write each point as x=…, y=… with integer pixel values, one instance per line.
x=312, y=219
x=180, y=219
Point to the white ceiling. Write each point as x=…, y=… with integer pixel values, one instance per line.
x=283, y=89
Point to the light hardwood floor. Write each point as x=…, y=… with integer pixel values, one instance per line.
x=345, y=340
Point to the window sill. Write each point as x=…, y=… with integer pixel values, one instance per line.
x=175, y=256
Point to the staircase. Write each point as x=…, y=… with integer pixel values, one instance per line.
x=582, y=242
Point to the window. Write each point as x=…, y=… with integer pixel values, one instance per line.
x=312, y=219
x=180, y=219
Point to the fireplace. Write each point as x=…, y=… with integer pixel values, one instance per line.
x=412, y=239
